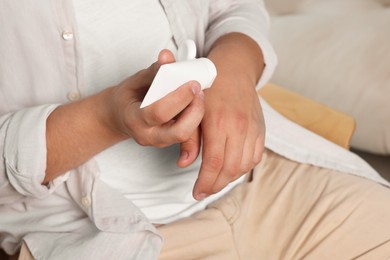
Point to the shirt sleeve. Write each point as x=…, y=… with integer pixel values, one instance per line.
x=23, y=146
x=245, y=16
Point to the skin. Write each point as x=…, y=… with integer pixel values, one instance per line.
x=77, y=131
x=227, y=119
x=233, y=125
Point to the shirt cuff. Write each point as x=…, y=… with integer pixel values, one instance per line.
x=254, y=25
x=25, y=151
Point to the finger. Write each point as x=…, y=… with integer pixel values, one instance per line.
x=183, y=127
x=212, y=163
x=165, y=109
x=247, y=160
x=180, y=129
x=259, y=149
x=165, y=56
x=189, y=150
x=260, y=141
x=231, y=169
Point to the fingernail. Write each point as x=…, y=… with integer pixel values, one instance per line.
x=200, y=196
x=195, y=88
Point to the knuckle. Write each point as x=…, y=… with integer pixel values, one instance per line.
x=246, y=167
x=143, y=137
x=157, y=117
x=198, y=108
x=220, y=121
x=185, y=93
x=232, y=172
x=142, y=141
x=183, y=133
x=214, y=163
x=182, y=136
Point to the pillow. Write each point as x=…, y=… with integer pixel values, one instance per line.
x=340, y=58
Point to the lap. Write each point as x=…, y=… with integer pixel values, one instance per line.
x=287, y=210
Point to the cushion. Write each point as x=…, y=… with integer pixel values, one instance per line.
x=337, y=52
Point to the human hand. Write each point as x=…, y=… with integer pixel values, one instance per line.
x=233, y=135
x=99, y=121
x=172, y=119
x=233, y=128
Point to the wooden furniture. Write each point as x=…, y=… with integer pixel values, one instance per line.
x=320, y=119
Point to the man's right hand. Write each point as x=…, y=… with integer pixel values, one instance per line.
x=172, y=119
x=77, y=131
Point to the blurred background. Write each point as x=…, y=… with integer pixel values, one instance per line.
x=337, y=52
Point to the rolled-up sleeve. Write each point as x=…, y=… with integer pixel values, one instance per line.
x=23, y=144
x=248, y=17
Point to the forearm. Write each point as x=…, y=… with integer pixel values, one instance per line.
x=237, y=55
x=77, y=131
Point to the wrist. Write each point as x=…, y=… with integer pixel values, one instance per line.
x=238, y=56
x=75, y=132
x=106, y=117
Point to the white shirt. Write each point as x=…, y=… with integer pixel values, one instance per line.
x=148, y=176
x=41, y=67
x=112, y=37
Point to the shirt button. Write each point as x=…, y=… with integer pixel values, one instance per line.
x=67, y=35
x=73, y=95
x=86, y=202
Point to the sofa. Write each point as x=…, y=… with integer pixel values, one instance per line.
x=337, y=52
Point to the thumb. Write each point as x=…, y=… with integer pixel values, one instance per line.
x=189, y=150
x=165, y=56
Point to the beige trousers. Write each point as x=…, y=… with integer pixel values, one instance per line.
x=287, y=210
